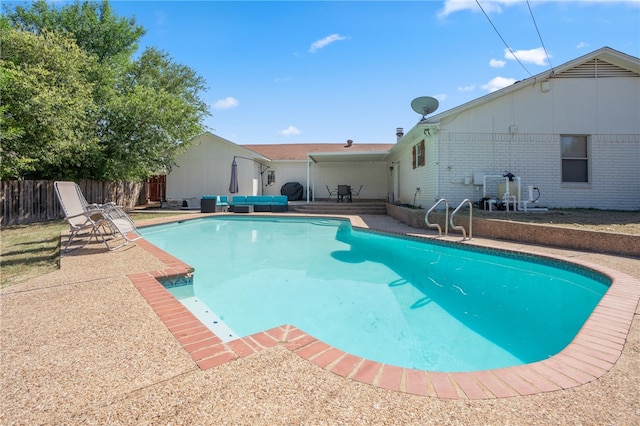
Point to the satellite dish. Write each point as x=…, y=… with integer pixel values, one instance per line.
x=424, y=105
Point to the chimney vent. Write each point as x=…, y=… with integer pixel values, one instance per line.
x=349, y=143
x=399, y=133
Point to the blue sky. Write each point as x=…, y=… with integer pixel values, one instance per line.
x=328, y=71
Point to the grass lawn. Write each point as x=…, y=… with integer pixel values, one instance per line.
x=28, y=251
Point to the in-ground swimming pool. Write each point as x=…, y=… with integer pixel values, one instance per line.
x=407, y=302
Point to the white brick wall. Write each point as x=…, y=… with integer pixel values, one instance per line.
x=614, y=164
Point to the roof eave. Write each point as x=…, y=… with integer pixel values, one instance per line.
x=344, y=156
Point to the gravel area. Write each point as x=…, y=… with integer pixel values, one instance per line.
x=81, y=346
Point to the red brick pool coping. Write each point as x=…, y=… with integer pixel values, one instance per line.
x=593, y=352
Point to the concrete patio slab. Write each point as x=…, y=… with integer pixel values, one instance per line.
x=82, y=346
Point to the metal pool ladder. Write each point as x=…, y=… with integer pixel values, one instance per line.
x=460, y=227
x=446, y=219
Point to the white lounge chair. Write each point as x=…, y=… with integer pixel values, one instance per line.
x=103, y=221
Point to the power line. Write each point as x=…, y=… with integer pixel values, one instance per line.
x=503, y=41
x=539, y=36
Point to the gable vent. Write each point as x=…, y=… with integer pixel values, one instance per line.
x=595, y=68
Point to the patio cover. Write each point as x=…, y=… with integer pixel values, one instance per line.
x=347, y=157
x=323, y=153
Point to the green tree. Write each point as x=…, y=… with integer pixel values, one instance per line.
x=47, y=106
x=93, y=25
x=153, y=115
x=143, y=111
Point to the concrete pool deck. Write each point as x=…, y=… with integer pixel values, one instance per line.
x=81, y=345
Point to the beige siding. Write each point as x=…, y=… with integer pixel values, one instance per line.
x=205, y=169
x=587, y=106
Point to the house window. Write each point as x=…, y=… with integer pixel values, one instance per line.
x=575, y=158
x=271, y=177
x=418, y=154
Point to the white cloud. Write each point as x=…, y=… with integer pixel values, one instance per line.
x=226, y=103
x=319, y=44
x=468, y=88
x=496, y=63
x=441, y=97
x=532, y=56
x=289, y=131
x=582, y=45
x=452, y=6
x=498, y=83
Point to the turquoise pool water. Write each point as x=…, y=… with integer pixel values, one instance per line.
x=417, y=304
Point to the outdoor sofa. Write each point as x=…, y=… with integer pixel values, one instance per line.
x=259, y=203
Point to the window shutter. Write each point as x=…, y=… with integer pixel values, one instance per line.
x=421, y=159
x=414, y=156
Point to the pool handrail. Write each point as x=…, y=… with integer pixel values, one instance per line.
x=446, y=218
x=460, y=227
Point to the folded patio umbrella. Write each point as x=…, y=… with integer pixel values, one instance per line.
x=233, y=185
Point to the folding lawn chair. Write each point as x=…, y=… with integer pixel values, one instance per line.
x=103, y=221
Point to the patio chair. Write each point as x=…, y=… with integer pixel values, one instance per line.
x=331, y=192
x=357, y=193
x=344, y=191
x=103, y=221
x=222, y=203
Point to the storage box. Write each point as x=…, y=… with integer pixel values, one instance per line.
x=207, y=205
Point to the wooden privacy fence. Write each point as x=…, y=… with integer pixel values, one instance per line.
x=28, y=201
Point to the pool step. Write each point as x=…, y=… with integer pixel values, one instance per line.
x=209, y=318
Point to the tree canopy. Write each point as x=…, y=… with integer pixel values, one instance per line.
x=76, y=104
